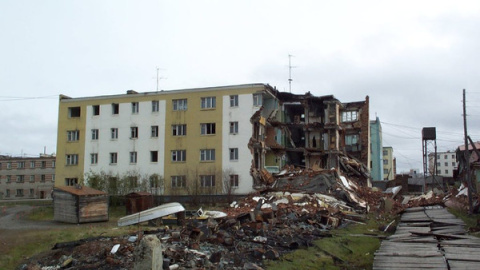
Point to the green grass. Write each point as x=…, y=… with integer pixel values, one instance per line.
x=351, y=247
x=471, y=221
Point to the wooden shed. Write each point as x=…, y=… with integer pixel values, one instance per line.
x=79, y=204
x=138, y=202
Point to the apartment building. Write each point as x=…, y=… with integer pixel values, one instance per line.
x=205, y=140
x=389, y=166
x=376, y=163
x=446, y=163
x=26, y=177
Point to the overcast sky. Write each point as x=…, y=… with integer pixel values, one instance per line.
x=413, y=58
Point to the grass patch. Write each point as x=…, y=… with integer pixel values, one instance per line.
x=471, y=221
x=351, y=247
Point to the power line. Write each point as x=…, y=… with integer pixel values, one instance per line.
x=8, y=98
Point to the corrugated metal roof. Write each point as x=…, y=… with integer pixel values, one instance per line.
x=81, y=191
x=462, y=147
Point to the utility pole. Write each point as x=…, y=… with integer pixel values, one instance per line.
x=467, y=156
x=290, y=73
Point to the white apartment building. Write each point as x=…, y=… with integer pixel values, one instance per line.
x=446, y=163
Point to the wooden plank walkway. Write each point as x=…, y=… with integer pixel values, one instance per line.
x=429, y=238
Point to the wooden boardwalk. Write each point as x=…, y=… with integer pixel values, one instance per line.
x=429, y=238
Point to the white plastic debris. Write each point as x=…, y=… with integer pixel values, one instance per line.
x=132, y=239
x=115, y=249
x=260, y=239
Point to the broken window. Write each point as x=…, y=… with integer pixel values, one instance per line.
x=133, y=132
x=96, y=109
x=153, y=156
x=207, y=180
x=155, y=105
x=234, y=101
x=207, y=128
x=349, y=116
x=234, y=180
x=73, y=112
x=233, y=154
x=352, y=142
x=179, y=130
x=93, y=158
x=233, y=127
x=207, y=154
x=115, y=108
x=257, y=100
x=154, y=132
x=179, y=155
x=71, y=159
x=180, y=104
x=208, y=103
x=179, y=181
x=113, y=158
x=73, y=135
x=133, y=157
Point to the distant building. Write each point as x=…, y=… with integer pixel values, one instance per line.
x=26, y=177
x=389, y=166
x=376, y=163
x=446, y=163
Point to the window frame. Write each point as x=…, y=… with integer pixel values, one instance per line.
x=208, y=128
x=115, y=109
x=154, y=131
x=155, y=106
x=93, y=158
x=179, y=130
x=234, y=127
x=350, y=116
x=180, y=104
x=113, y=158
x=233, y=101
x=176, y=179
x=208, y=103
x=234, y=181
x=114, y=133
x=71, y=159
x=207, y=155
x=154, y=156
x=207, y=179
x=257, y=100
x=178, y=155
x=233, y=154
x=133, y=132
x=133, y=157
x=73, y=135
x=95, y=110
x=95, y=133
x=135, y=107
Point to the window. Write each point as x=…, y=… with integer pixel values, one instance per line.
x=32, y=192
x=349, y=116
x=0, y=165
x=208, y=102
x=446, y=163
x=207, y=129
x=42, y=178
x=114, y=133
x=385, y=162
x=453, y=156
x=19, y=193
x=207, y=180
x=53, y=177
x=179, y=104
x=385, y=152
x=207, y=154
x=439, y=171
x=71, y=181
x=446, y=171
x=94, y=158
x=179, y=181
x=233, y=154
x=73, y=135
x=96, y=109
x=115, y=108
x=20, y=178
x=438, y=156
x=32, y=178
x=7, y=193
x=133, y=157
x=153, y=156
x=32, y=164
x=154, y=131
x=113, y=158
x=135, y=107
x=21, y=165
x=351, y=142
x=234, y=101
x=385, y=171
x=44, y=164
x=155, y=106
x=133, y=132
x=179, y=130
x=233, y=127
x=453, y=164
x=438, y=164
x=53, y=164
x=257, y=100
x=445, y=156
x=73, y=112
x=71, y=159
x=234, y=180
x=9, y=178
x=9, y=165
x=179, y=155
x=94, y=134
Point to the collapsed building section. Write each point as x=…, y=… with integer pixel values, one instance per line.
x=306, y=131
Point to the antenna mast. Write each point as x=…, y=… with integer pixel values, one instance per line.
x=290, y=73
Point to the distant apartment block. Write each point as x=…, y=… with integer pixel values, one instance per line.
x=389, y=163
x=26, y=177
x=376, y=163
x=206, y=140
x=446, y=162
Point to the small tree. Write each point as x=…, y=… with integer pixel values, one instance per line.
x=156, y=184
